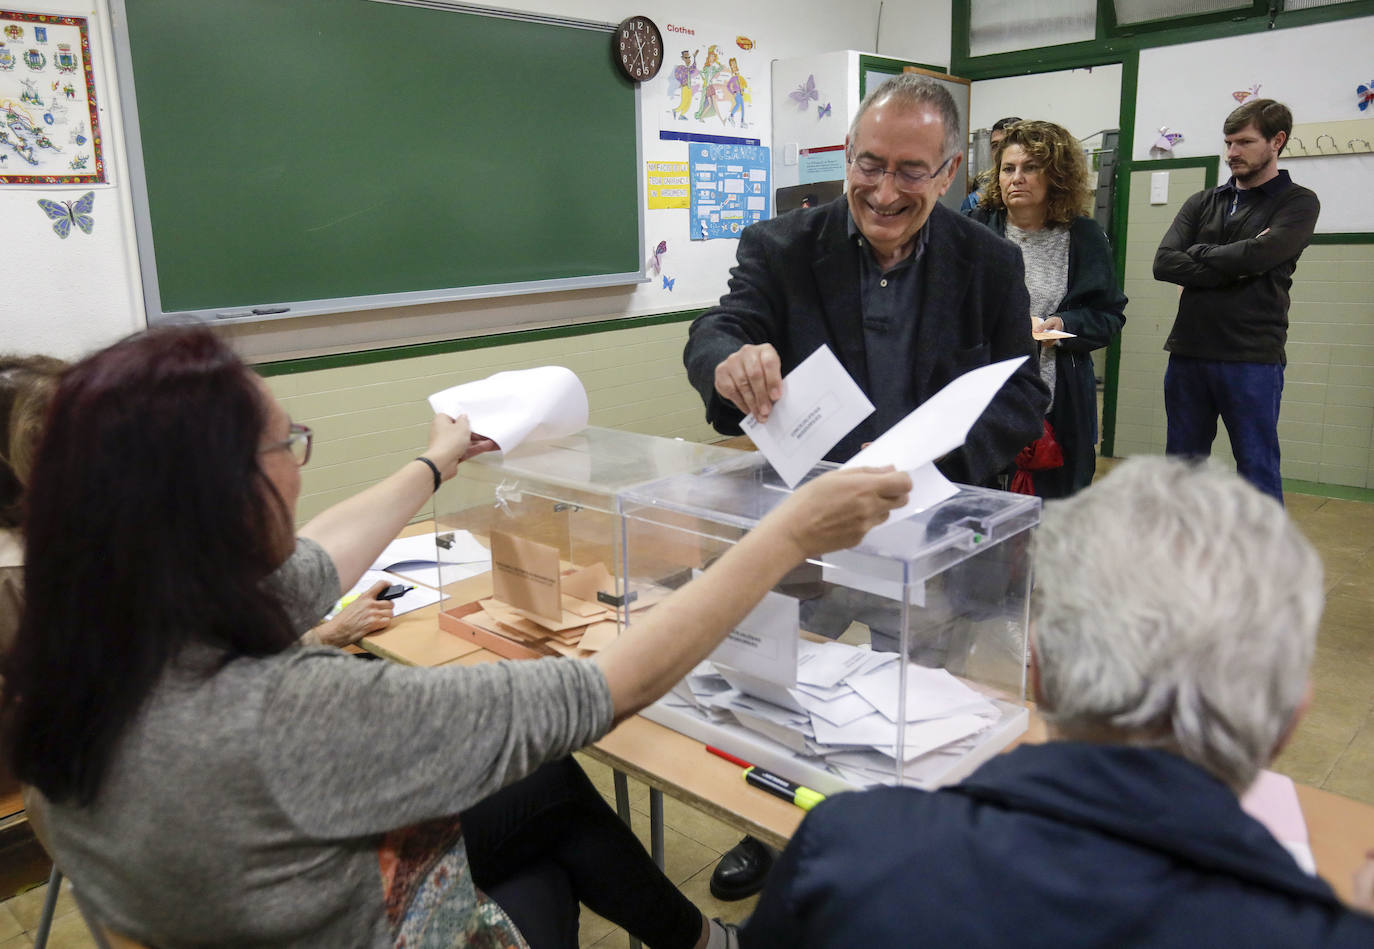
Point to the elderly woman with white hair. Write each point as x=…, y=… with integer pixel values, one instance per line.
x=1172, y=633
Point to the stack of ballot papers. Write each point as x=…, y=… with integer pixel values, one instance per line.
x=841, y=714
x=585, y=627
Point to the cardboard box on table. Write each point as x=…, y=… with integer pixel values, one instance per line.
x=547, y=500
x=948, y=588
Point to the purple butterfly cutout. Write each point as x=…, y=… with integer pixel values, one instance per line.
x=805, y=93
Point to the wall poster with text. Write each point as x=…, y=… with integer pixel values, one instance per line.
x=49, y=122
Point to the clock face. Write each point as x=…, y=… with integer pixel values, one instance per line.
x=639, y=48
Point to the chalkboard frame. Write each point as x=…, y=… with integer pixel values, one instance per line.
x=266, y=310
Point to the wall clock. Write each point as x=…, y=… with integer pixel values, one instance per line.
x=638, y=48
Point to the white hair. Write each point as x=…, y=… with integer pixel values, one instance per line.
x=912, y=91
x=1176, y=607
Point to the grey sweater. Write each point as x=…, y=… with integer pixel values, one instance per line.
x=250, y=803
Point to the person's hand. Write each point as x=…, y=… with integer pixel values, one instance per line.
x=1363, y=895
x=449, y=442
x=1050, y=325
x=478, y=444
x=363, y=616
x=751, y=378
x=837, y=509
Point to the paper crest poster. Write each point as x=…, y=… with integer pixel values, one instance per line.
x=49, y=124
x=730, y=189
x=668, y=184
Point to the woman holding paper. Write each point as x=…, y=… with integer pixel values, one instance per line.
x=1039, y=200
x=237, y=788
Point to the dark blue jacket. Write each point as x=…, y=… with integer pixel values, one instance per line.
x=1056, y=845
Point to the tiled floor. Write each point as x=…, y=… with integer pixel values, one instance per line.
x=1333, y=748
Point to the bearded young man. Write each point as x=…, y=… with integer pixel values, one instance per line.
x=1233, y=250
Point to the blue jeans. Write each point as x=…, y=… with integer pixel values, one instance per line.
x=1246, y=395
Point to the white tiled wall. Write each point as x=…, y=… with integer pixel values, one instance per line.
x=371, y=419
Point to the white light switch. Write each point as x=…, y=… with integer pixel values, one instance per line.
x=1159, y=187
x=789, y=153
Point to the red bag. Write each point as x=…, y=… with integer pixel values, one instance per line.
x=1040, y=455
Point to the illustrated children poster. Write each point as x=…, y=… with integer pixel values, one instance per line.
x=49, y=125
x=707, y=90
x=730, y=188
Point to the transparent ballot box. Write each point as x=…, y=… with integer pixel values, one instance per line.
x=536, y=534
x=813, y=684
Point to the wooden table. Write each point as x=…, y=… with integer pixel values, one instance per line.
x=1340, y=830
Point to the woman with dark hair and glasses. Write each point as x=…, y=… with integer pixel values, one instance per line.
x=206, y=780
x=1039, y=199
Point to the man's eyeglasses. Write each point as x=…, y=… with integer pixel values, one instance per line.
x=906, y=180
x=298, y=442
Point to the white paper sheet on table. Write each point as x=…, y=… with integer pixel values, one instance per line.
x=934, y=429
x=410, y=600
x=519, y=405
x=418, y=558
x=820, y=404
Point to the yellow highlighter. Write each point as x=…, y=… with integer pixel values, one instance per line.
x=775, y=784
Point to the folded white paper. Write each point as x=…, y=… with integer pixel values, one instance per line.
x=519, y=405
x=820, y=404
x=410, y=600
x=934, y=429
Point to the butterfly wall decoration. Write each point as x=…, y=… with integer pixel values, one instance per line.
x=1364, y=95
x=1167, y=140
x=655, y=260
x=1243, y=96
x=668, y=282
x=805, y=93
x=822, y=111
x=66, y=213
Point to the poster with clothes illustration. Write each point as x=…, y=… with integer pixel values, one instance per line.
x=49, y=122
x=708, y=90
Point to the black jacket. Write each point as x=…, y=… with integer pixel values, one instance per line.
x=1057, y=845
x=1093, y=309
x=796, y=285
x=1235, y=278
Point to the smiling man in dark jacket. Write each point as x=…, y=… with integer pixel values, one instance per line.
x=1170, y=670
x=1233, y=250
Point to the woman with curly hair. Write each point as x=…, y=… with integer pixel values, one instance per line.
x=1039, y=200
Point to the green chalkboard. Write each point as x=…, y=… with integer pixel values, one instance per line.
x=345, y=154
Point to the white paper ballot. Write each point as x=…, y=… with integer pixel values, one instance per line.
x=936, y=428
x=410, y=600
x=930, y=693
x=820, y=404
x=520, y=405
x=764, y=644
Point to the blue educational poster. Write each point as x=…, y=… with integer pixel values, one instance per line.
x=730, y=188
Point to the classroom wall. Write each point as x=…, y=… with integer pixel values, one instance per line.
x=71, y=296
x=1313, y=70
x=1084, y=101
